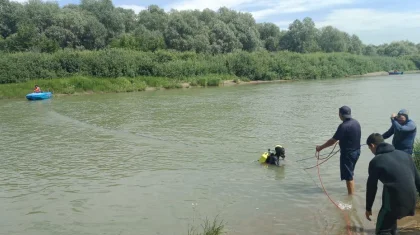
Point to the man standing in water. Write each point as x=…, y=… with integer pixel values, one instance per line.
x=349, y=135
x=404, y=131
x=396, y=170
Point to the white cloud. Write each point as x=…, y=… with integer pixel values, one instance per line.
x=296, y=6
x=268, y=7
x=203, y=4
x=283, y=25
x=373, y=26
x=135, y=8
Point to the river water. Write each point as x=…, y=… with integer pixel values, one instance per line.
x=159, y=162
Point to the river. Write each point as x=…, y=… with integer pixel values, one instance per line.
x=158, y=162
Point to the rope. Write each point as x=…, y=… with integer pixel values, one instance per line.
x=328, y=155
x=318, y=164
x=326, y=193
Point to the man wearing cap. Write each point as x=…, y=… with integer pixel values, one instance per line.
x=404, y=131
x=349, y=136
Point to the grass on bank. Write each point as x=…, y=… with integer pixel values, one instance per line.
x=416, y=158
x=81, y=84
x=416, y=154
x=208, y=228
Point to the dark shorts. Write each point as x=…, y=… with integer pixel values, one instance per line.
x=348, y=163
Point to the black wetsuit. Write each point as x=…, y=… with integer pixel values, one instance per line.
x=272, y=159
x=396, y=170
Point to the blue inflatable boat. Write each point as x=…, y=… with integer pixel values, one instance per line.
x=39, y=96
x=395, y=73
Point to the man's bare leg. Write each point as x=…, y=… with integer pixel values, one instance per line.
x=350, y=187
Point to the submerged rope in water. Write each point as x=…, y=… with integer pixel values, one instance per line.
x=326, y=193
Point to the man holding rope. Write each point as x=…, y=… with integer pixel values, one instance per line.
x=349, y=136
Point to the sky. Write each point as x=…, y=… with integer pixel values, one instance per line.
x=374, y=21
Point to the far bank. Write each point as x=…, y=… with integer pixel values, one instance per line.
x=81, y=85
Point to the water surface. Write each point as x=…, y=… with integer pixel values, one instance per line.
x=158, y=162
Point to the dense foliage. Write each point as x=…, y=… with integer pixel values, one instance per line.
x=96, y=24
x=261, y=65
x=40, y=40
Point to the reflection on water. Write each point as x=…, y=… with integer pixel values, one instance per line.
x=155, y=162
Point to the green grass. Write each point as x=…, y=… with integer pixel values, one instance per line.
x=208, y=228
x=416, y=154
x=416, y=158
x=82, y=84
x=73, y=85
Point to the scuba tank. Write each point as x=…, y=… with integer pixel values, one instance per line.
x=264, y=156
x=279, y=152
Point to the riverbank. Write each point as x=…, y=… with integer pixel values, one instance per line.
x=81, y=85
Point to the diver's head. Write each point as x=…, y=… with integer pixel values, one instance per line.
x=280, y=152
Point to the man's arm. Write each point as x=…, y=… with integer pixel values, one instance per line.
x=327, y=144
x=371, y=186
x=337, y=136
x=410, y=126
x=389, y=133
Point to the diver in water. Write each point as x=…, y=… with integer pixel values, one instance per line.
x=274, y=158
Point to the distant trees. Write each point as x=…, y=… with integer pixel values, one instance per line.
x=97, y=24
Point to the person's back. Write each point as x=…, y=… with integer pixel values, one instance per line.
x=395, y=169
x=351, y=136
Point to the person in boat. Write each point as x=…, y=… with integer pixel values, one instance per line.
x=37, y=89
x=348, y=134
x=274, y=158
x=404, y=131
x=401, y=183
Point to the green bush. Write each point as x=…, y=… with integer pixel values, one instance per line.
x=260, y=65
x=416, y=154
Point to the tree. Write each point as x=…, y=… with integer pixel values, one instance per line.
x=332, y=40
x=302, y=37
x=356, y=45
x=11, y=14
x=106, y=13
x=369, y=50
x=185, y=33
x=153, y=18
x=222, y=38
x=41, y=14
x=269, y=35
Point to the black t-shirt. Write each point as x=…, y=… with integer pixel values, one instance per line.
x=349, y=135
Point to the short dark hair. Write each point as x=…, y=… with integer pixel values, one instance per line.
x=375, y=138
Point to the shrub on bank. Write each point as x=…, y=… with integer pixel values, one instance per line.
x=416, y=154
x=260, y=65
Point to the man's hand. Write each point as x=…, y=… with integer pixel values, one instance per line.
x=393, y=115
x=318, y=148
x=368, y=214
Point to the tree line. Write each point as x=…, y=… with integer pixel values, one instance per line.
x=38, y=26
